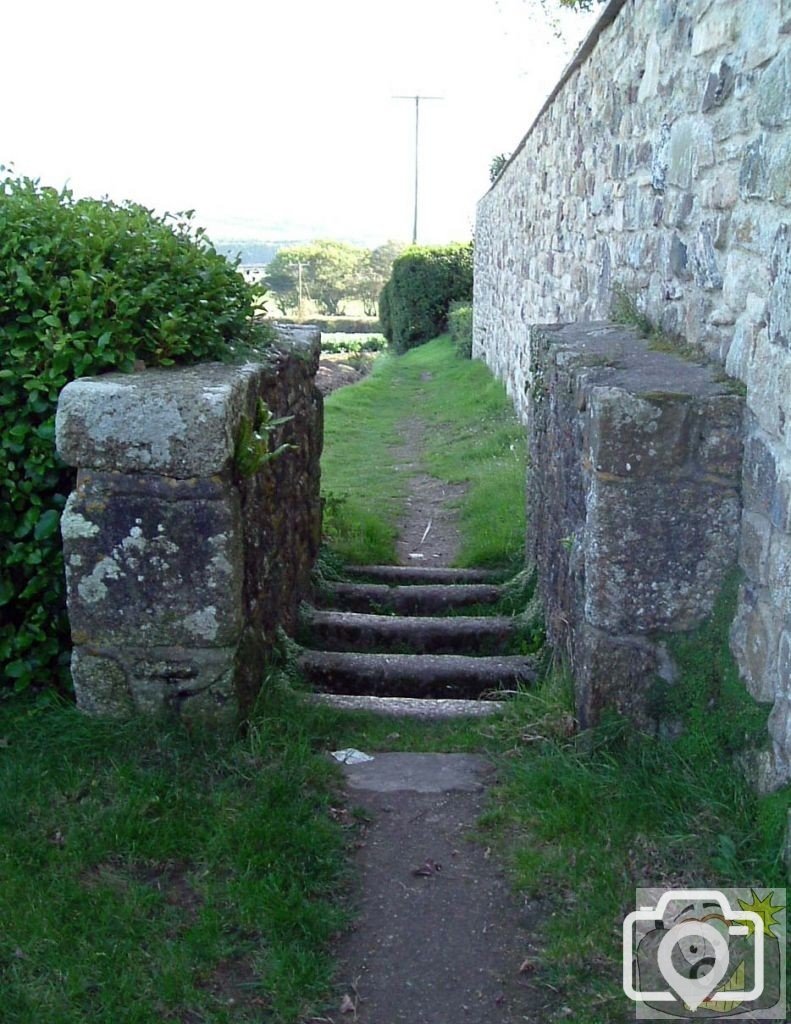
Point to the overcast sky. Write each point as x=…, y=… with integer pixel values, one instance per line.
x=275, y=119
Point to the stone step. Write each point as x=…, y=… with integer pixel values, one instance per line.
x=356, y=631
x=409, y=707
x=420, y=599
x=411, y=574
x=413, y=675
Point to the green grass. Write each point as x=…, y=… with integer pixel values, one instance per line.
x=149, y=874
x=588, y=818
x=472, y=437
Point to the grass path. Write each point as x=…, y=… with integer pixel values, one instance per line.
x=472, y=438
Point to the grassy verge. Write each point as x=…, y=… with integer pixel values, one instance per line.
x=148, y=874
x=591, y=817
x=472, y=437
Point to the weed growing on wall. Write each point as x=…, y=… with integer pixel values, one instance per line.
x=86, y=286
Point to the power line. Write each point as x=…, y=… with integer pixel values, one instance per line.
x=417, y=100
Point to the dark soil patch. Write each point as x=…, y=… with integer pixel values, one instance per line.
x=338, y=370
x=334, y=374
x=428, y=534
x=234, y=983
x=168, y=878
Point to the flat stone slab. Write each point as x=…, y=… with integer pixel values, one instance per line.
x=419, y=773
x=178, y=422
x=410, y=707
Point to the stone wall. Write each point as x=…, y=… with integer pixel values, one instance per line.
x=636, y=461
x=661, y=164
x=181, y=564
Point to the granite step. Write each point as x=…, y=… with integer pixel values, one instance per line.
x=355, y=631
x=417, y=599
x=412, y=574
x=409, y=707
x=414, y=675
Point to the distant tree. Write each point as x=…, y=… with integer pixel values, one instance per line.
x=332, y=272
x=282, y=280
x=373, y=274
x=549, y=10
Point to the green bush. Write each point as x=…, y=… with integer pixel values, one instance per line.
x=385, y=322
x=460, y=326
x=352, y=344
x=414, y=304
x=85, y=286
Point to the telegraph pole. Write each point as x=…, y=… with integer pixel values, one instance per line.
x=417, y=100
x=299, y=293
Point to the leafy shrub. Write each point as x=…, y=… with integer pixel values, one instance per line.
x=385, y=322
x=85, y=286
x=460, y=326
x=424, y=282
x=352, y=344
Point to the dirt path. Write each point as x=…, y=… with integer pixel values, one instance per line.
x=428, y=534
x=334, y=372
x=440, y=937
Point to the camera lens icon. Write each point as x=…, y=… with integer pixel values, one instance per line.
x=691, y=956
x=705, y=950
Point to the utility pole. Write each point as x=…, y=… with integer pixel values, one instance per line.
x=417, y=100
x=299, y=292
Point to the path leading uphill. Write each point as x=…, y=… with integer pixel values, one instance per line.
x=440, y=937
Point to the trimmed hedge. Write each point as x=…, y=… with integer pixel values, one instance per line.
x=86, y=286
x=414, y=304
x=460, y=326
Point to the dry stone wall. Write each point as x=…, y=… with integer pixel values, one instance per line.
x=180, y=567
x=661, y=164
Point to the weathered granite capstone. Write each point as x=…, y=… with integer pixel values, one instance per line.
x=661, y=164
x=634, y=504
x=179, y=568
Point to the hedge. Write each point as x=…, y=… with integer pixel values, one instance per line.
x=460, y=327
x=414, y=304
x=85, y=286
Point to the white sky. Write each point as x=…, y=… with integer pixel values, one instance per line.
x=274, y=118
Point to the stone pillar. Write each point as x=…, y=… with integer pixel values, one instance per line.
x=635, y=506
x=181, y=562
